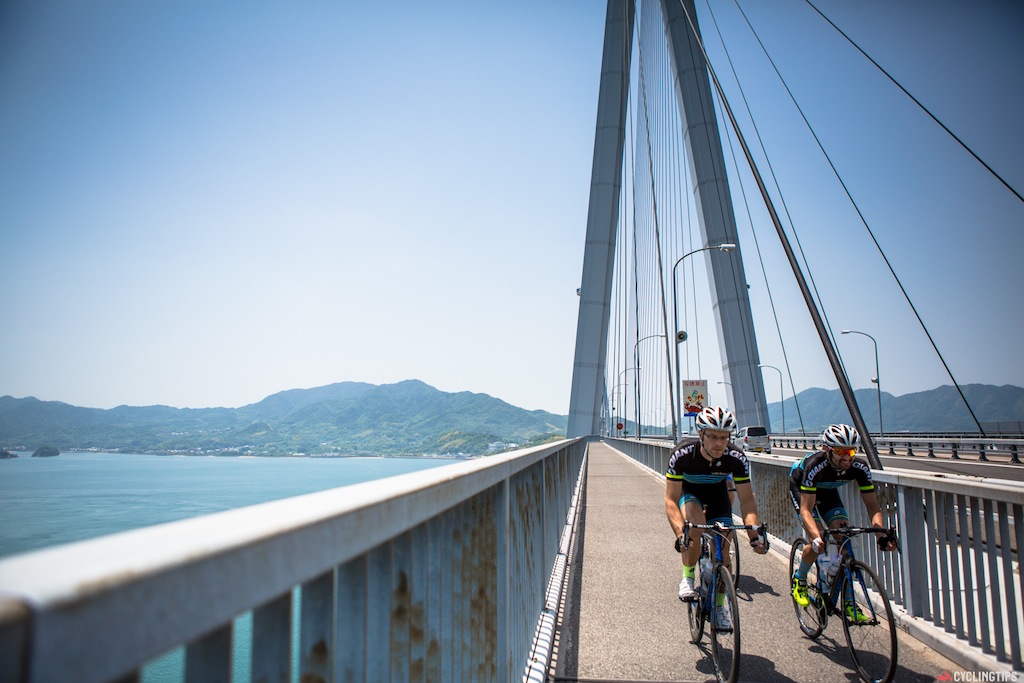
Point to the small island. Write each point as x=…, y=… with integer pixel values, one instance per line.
x=5, y=454
x=46, y=452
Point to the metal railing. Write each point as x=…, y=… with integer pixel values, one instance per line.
x=959, y=568
x=953, y=446
x=435, y=575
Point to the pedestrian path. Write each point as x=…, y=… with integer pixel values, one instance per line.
x=624, y=622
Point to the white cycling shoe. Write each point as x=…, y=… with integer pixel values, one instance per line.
x=687, y=593
x=722, y=620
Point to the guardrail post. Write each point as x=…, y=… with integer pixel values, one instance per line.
x=14, y=640
x=503, y=580
x=910, y=449
x=892, y=448
x=955, y=455
x=1014, y=457
x=981, y=452
x=911, y=523
x=316, y=630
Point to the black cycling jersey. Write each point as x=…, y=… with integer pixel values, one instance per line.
x=705, y=480
x=816, y=472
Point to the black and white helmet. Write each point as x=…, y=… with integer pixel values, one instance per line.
x=717, y=419
x=840, y=436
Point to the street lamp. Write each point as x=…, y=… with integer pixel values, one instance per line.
x=617, y=400
x=782, y=396
x=729, y=384
x=680, y=335
x=622, y=384
x=636, y=357
x=876, y=380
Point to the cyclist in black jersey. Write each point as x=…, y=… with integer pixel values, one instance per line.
x=814, y=491
x=696, y=479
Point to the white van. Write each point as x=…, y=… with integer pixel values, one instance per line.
x=755, y=439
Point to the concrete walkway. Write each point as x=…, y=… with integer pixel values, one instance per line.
x=624, y=622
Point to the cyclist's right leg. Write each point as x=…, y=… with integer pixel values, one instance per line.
x=808, y=556
x=693, y=512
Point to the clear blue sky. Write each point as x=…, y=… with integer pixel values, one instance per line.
x=201, y=205
x=954, y=234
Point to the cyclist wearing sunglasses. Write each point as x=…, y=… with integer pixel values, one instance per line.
x=814, y=491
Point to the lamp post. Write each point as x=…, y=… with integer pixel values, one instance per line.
x=782, y=396
x=729, y=384
x=681, y=335
x=877, y=379
x=636, y=358
x=623, y=384
x=617, y=400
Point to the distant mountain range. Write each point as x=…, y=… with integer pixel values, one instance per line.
x=935, y=410
x=349, y=418
x=413, y=418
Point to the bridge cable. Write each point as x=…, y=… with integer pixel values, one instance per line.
x=918, y=103
x=867, y=227
x=622, y=290
x=746, y=205
x=824, y=334
x=778, y=187
x=657, y=237
x=719, y=189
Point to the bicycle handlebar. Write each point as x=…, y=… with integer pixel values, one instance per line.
x=762, y=530
x=848, y=532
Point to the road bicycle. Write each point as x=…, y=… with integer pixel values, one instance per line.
x=716, y=585
x=734, y=559
x=856, y=596
x=734, y=550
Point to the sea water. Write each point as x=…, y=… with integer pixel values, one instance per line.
x=78, y=496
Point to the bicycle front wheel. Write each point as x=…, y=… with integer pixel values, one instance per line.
x=812, y=617
x=695, y=616
x=868, y=623
x=725, y=629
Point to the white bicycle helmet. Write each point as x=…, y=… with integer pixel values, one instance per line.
x=840, y=436
x=717, y=419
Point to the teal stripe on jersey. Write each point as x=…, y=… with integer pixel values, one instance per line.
x=704, y=478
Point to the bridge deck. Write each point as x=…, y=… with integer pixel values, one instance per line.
x=624, y=622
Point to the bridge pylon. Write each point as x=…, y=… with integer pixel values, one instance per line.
x=710, y=193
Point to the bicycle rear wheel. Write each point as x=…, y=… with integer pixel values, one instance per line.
x=734, y=558
x=725, y=629
x=812, y=617
x=868, y=624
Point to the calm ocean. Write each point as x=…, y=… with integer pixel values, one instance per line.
x=77, y=496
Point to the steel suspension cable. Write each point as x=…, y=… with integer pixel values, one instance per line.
x=750, y=221
x=826, y=339
x=668, y=338
x=918, y=103
x=658, y=258
x=867, y=227
x=718, y=187
x=778, y=188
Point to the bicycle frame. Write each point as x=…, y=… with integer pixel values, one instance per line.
x=844, y=576
x=842, y=538
x=716, y=534
x=716, y=584
x=857, y=598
